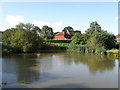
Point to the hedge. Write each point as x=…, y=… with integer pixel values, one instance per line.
x=58, y=41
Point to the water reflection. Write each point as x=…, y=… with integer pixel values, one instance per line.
x=95, y=63
x=19, y=65
x=44, y=67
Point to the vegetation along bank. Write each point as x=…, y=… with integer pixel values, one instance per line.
x=27, y=38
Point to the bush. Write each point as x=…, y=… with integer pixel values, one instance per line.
x=80, y=48
x=100, y=39
x=58, y=41
x=22, y=39
x=53, y=46
x=100, y=50
x=113, y=51
x=117, y=45
x=6, y=48
x=79, y=38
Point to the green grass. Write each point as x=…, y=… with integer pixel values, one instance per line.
x=74, y=47
x=87, y=49
x=61, y=44
x=113, y=51
x=54, y=46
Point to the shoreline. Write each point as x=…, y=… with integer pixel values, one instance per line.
x=60, y=51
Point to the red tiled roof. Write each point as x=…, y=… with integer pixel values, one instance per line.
x=60, y=34
x=117, y=35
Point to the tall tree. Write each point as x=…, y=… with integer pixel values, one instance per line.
x=23, y=38
x=79, y=38
x=28, y=27
x=102, y=39
x=68, y=29
x=94, y=26
x=46, y=32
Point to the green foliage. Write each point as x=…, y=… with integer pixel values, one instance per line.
x=100, y=39
x=95, y=37
x=100, y=50
x=76, y=31
x=68, y=29
x=113, y=51
x=79, y=39
x=54, y=46
x=80, y=48
x=28, y=38
x=87, y=49
x=0, y=36
x=61, y=44
x=117, y=45
x=58, y=41
x=23, y=38
x=47, y=32
x=94, y=26
x=6, y=48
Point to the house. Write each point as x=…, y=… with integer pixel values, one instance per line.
x=62, y=35
x=118, y=38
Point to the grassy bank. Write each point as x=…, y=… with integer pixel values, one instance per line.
x=53, y=46
x=59, y=47
x=74, y=47
x=87, y=49
x=113, y=51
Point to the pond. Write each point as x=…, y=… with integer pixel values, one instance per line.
x=59, y=70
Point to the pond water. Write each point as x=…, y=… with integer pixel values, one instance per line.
x=59, y=70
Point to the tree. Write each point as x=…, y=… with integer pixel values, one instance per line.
x=31, y=44
x=37, y=29
x=77, y=38
x=8, y=34
x=94, y=26
x=68, y=29
x=23, y=38
x=77, y=31
x=47, y=32
x=0, y=36
x=28, y=27
x=102, y=39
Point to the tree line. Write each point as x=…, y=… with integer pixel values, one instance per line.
x=30, y=38
x=95, y=37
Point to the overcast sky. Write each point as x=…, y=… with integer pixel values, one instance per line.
x=58, y=15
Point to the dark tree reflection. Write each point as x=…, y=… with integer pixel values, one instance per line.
x=94, y=62
x=20, y=66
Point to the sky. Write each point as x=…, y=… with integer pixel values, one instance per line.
x=58, y=15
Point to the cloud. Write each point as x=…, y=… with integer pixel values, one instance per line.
x=57, y=26
x=14, y=20
x=2, y=28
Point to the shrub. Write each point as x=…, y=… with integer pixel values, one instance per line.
x=87, y=49
x=58, y=41
x=100, y=39
x=100, y=50
x=6, y=48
